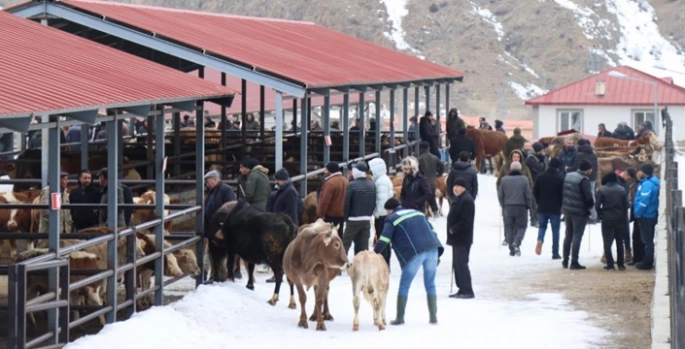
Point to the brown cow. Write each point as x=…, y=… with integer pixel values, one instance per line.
x=147, y=215
x=314, y=258
x=651, y=140
x=16, y=220
x=370, y=275
x=607, y=165
x=309, y=214
x=488, y=143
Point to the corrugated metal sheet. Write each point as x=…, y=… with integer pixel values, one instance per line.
x=44, y=70
x=617, y=91
x=301, y=51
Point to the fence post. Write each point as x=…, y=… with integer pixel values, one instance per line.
x=64, y=313
x=12, y=299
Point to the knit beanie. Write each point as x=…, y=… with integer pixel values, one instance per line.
x=333, y=167
x=584, y=165
x=282, y=175
x=647, y=169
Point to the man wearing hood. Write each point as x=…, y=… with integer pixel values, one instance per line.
x=428, y=134
x=585, y=152
x=499, y=126
x=612, y=207
x=432, y=168
x=515, y=199
x=462, y=169
x=576, y=205
x=332, y=196
x=257, y=187
x=567, y=156
x=646, y=211
x=383, y=193
x=623, y=131
x=461, y=142
x=516, y=141
x=415, y=190
x=536, y=161
x=454, y=124
x=360, y=204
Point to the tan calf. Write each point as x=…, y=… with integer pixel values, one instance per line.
x=370, y=276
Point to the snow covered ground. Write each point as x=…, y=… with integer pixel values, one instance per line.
x=397, y=9
x=228, y=315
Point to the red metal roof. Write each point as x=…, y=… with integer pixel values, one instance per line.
x=617, y=91
x=300, y=51
x=45, y=70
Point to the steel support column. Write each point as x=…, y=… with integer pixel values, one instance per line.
x=326, y=127
x=377, y=129
x=44, y=154
x=294, y=129
x=438, y=126
x=346, y=130
x=279, y=130
x=391, y=152
x=405, y=121
x=112, y=213
x=304, y=141
x=243, y=112
x=159, y=206
x=84, y=147
x=200, y=192
x=418, y=120
x=54, y=220
x=447, y=108
x=262, y=113
x=362, y=126
x=120, y=150
x=176, y=117
x=224, y=124
x=427, y=92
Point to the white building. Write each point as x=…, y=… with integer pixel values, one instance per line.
x=621, y=94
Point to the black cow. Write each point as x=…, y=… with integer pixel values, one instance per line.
x=257, y=237
x=216, y=247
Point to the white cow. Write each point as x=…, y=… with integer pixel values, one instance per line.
x=370, y=275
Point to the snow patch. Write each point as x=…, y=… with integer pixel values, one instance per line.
x=397, y=9
x=594, y=26
x=488, y=17
x=521, y=64
x=528, y=91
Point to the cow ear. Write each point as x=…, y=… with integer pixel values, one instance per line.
x=219, y=235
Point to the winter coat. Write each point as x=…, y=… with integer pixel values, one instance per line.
x=567, y=157
x=257, y=187
x=454, y=123
x=612, y=203
x=585, y=152
x=65, y=222
x=332, y=197
x=515, y=191
x=360, y=200
x=536, y=164
x=409, y=233
x=465, y=171
x=431, y=167
x=427, y=131
x=121, y=222
x=216, y=198
x=415, y=192
x=548, y=191
x=514, y=142
x=646, y=204
x=461, y=143
x=242, y=185
x=460, y=221
x=577, y=197
x=604, y=134
x=411, y=132
x=504, y=170
x=383, y=185
x=284, y=199
x=85, y=217
x=624, y=132
x=499, y=126
x=252, y=125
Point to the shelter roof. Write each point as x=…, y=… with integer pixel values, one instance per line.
x=301, y=52
x=617, y=91
x=46, y=71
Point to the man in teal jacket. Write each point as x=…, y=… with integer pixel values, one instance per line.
x=646, y=211
x=416, y=244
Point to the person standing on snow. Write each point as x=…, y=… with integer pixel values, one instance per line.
x=428, y=134
x=454, y=124
x=548, y=192
x=331, y=206
x=383, y=192
x=460, y=237
x=576, y=205
x=646, y=210
x=515, y=198
x=416, y=245
x=463, y=169
x=612, y=208
x=431, y=167
x=415, y=190
x=360, y=203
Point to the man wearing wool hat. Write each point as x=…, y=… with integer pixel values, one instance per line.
x=332, y=195
x=576, y=204
x=360, y=202
x=646, y=210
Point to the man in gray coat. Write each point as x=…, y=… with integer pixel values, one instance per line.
x=515, y=198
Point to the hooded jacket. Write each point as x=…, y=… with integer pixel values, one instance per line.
x=415, y=189
x=383, y=185
x=431, y=167
x=410, y=234
x=284, y=199
x=499, y=126
x=460, y=220
x=548, y=191
x=427, y=131
x=646, y=203
x=516, y=141
x=257, y=188
x=461, y=143
x=454, y=123
x=465, y=171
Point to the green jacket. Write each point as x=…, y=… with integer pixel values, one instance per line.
x=257, y=188
x=120, y=200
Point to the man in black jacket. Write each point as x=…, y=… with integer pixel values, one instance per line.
x=603, y=132
x=612, y=207
x=585, y=152
x=86, y=193
x=460, y=237
x=415, y=190
x=536, y=161
x=463, y=169
x=360, y=202
x=576, y=204
x=432, y=168
x=548, y=192
x=218, y=193
x=428, y=134
x=461, y=142
x=284, y=199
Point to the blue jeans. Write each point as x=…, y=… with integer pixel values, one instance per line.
x=429, y=260
x=554, y=221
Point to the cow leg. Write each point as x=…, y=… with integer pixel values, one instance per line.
x=326, y=312
x=278, y=275
x=382, y=300
x=292, y=304
x=250, y=272
x=355, y=303
x=303, y=301
x=317, y=309
x=479, y=162
x=378, y=311
x=229, y=267
x=320, y=293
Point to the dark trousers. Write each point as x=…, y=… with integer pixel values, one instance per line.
x=626, y=240
x=483, y=168
x=647, y=226
x=638, y=246
x=434, y=148
x=378, y=225
x=613, y=230
x=432, y=202
x=460, y=265
x=359, y=232
x=575, y=228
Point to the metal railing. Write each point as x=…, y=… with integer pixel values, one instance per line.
x=675, y=218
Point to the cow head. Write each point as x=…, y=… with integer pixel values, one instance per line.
x=187, y=261
x=332, y=253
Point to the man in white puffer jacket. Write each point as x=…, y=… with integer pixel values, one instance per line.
x=379, y=170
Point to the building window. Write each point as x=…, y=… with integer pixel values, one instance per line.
x=640, y=116
x=569, y=119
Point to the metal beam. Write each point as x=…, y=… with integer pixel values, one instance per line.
x=438, y=126
x=416, y=115
x=346, y=130
x=140, y=110
x=377, y=130
x=86, y=116
x=362, y=126
x=320, y=91
x=199, y=191
x=185, y=106
x=53, y=228
x=304, y=142
x=405, y=120
x=326, y=127
x=112, y=213
x=159, y=207
x=391, y=155
x=160, y=44
x=16, y=124
x=279, y=130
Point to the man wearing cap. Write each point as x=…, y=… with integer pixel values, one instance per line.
x=612, y=207
x=460, y=237
x=65, y=222
x=515, y=197
x=218, y=193
x=576, y=204
x=332, y=196
x=121, y=221
x=432, y=168
x=257, y=187
x=646, y=210
x=548, y=192
x=360, y=202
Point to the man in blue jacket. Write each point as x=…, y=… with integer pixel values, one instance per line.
x=646, y=210
x=416, y=244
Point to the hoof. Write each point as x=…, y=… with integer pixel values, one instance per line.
x=303, y=324
x=381, y=328
x=292, y=306
x=355, y=328
x=250, y=287
x=328, y=317
x=321, y=327
x=312, y=318
x=271, y=301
